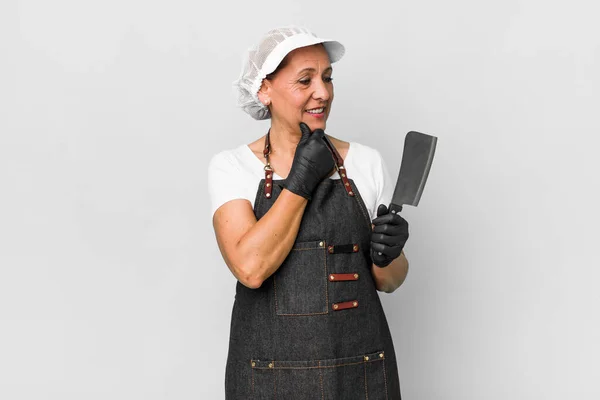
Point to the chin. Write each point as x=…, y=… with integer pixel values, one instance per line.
x=320, y=124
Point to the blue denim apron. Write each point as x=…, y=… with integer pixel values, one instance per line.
x=315, y=329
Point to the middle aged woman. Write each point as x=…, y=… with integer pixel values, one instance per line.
x=309, y=245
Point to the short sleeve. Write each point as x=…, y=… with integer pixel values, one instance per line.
x=384, y=184
x=227, y=181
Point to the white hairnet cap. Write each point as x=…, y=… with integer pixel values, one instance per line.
x=264, y=58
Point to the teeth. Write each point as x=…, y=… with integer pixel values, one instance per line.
x=316, y=110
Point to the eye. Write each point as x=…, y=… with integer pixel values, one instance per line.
x=328, y=79
x=304, y=81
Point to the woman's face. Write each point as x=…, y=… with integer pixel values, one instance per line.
x=301, y=91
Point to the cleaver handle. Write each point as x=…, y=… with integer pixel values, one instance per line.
x=394, y=209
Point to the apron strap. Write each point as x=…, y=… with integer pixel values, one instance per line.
x=339, y=165
x=339, y=161
x=268, y=169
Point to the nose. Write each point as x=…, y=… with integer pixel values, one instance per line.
x=321, y=90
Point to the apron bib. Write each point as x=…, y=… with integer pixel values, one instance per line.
x=315, y=329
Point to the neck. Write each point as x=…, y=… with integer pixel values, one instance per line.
x=284, y=140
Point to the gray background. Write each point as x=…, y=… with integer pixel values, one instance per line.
x=111, y=283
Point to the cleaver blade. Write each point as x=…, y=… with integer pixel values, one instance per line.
x=417, y=158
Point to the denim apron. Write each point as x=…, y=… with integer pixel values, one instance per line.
x=315, y=329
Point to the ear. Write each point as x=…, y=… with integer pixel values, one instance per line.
x=264, y=92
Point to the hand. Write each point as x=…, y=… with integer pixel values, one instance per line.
x=390, y=233
x=313, y=161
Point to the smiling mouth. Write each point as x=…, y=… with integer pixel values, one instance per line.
x=316, y=110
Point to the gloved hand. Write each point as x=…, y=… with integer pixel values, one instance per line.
x=390, y=233
x=313, y=161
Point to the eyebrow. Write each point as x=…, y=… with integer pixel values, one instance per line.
x=330, y=68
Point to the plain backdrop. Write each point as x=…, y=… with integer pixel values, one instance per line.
x=111, y=282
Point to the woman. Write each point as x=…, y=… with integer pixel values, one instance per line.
x=309, y=246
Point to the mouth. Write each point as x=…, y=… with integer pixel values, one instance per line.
x=316, y=112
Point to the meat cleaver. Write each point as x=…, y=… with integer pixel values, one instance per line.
x=419, y=150
x=417, y=158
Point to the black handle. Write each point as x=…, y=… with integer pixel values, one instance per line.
x=395, y=208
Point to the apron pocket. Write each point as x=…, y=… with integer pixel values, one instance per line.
x=358, y=377
x=300, y=283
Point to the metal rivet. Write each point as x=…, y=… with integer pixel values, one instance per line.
x=268, y=194
x=321, y=244
x=253, y=364
x=355, y=304
x=270, y=365
x=269, y=176
x=355, y=247
x=331, y=277
x=380, y=355
x=343, y=175
x=347, y=184
x=335, y=306
x=268, y=185
x=366, y=358
x=355, y=276
x=330, y=249
x=351, y=194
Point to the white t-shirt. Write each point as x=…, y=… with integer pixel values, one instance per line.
x=236, y=174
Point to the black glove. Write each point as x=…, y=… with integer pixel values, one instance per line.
x=313, y=161
x=390, y=233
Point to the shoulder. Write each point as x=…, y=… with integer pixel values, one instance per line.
x=369, y=152
x=367, y=169
x=232, y=174
x=368, y=162
x=367, y=157
x=229, y=159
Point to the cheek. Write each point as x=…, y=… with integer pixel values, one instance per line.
x=299, y=100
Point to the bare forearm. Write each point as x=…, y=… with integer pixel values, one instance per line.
x=390, y=278
x=266, y=245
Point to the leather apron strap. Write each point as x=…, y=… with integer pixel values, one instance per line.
x=339, y=165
